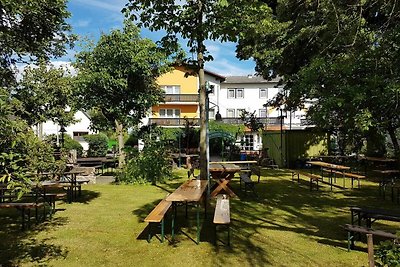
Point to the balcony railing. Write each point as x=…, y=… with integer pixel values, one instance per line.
x=181, y=98
x=181, y=121
x=172, y=121
x=271, y=120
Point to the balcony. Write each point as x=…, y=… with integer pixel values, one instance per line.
x=271, y=120
x=181, y=98
x=173, y=121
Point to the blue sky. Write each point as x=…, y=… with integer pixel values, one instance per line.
x=92, y=17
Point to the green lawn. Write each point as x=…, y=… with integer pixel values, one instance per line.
x=286, y=226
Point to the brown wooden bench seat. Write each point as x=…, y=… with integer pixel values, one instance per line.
x=351, y=229
x=314, y=179
x=246, y=184
x=353, y=176
x=222, y=215
x=25, y=208
x=157, y=216
x=256, y=170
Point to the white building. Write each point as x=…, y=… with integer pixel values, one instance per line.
x=76, y=130
x=249, y=93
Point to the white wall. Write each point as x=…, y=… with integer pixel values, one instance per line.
x=82, y=125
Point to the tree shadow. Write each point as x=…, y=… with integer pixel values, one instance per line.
x=19, y=246
x=86, y=197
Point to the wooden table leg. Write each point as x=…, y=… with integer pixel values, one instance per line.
x=223, y=185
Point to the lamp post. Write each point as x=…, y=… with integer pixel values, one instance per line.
x=62, y=131
x=282, y=116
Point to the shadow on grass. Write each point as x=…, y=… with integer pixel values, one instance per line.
x=19, y=246
x=86, y=197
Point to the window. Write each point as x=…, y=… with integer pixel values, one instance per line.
x=248, y=142
x=240, y=93
x=262, y=113
x=172, y=89
x=235, y=93
x=211, y=114
x=78, y=136
x=240, y=112
x=231, y=93
x=230, y=113
x=263, y=93
x=170, y=113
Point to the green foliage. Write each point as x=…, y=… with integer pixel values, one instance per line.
x=44, y=93
x=31, y=30
x=71, y=144
x=388, y=254
x=98, y=145
x=232, y=129
x=117, y=76
x=250, y=121
x=343, y=56
x=153, y=164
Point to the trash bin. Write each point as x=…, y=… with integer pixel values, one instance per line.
x=243, y=156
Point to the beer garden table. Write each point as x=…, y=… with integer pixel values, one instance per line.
x=223, y=173
x=190, y=191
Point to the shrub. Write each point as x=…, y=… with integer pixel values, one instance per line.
x=70, y=144
x=98, y=144
x=150, y=165
x=388, y=254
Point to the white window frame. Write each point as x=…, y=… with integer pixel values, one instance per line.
x=237, y=92
x=248, y=142
x=230, y=110
x=260, y=93
x=233, y=93
x=262, y=110
x=175, y=113
x=176, y=89
x=240, y=111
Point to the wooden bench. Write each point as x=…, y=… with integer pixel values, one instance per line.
x=314, y=179
x=25, y=208
x=248, y=184
x=351, y=229
x=156, y=216
x=222, y=215
x=256, y=170
x=353, y=176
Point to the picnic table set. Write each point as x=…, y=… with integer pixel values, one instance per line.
x=195, y=191
x=45, y=189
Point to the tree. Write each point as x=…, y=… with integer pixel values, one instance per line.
x=31, y=30
x=342, y=54
x=44, y=93
x=196, y=21
x=117, y=77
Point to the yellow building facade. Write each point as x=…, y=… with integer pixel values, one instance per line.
x=181, y=99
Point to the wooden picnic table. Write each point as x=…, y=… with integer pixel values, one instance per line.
x=370, y=215
x=70, y=177
x=386, y=177
x=190, y=191
x=223, y=173
x=332, y=169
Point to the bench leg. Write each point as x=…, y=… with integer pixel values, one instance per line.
x=173, y=221
x=198, y=222
x=23, y=218
x=149, y=234
x=162, y=230
x=229, y=236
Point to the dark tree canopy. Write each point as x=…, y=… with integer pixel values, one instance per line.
x=343, y=54
x=31, y=30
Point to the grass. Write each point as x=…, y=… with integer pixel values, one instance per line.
x=286, y=226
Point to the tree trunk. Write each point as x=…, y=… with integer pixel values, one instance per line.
x=202, y=98
x=395, y=142
x=121, y=153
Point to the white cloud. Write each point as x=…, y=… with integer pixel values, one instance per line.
x=114, y=6
x=82, y=23
x=229, y=68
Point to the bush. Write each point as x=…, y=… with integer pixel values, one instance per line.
x=98, y=145
x=388, y=254
x=70, y=144
x=150, y=165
